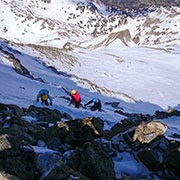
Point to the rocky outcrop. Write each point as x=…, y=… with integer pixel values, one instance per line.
x=18, y=67
x=35, y=143
x=46, y=1
x=76, y=132
x=123, y=36
x=14, y=160
x=10, y=111
x=158, y=154
x=146, y=132
x=93, y=161
x=172, y=157
x=26, y=132
x=5, y=176
x=131, y=4
x=10, y=55
x=163, y=114
x=45, y=114
x=62, y=171
x=68, y=46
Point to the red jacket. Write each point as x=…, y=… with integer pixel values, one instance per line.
x=76, y=97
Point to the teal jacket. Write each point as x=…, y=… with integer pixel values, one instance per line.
x=44, y=91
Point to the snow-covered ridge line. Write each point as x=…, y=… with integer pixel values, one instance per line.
x=55, y=23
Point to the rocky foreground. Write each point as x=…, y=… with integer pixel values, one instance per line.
x=36, y=143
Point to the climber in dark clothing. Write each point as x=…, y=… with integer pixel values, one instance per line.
x=44, y=95
x=96, y=106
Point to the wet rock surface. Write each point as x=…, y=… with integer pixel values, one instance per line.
x=36, y=144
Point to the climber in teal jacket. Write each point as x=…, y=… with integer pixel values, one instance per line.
x=44, y=95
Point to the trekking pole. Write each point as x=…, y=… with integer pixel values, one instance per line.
x=67, y=92
x=81, y=105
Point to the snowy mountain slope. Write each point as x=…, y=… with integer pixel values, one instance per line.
x=22, y=90
x=132, y=74
x=150, y=75
x=57, y=22
x=99, y=50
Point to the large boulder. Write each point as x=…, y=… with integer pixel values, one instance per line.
x=62, y=171
x=150, y=159
x=7, y=111
x=84, y=130
x=147, y=131
x=22, y=130
x=92, y=161
x=54, y=136
x=6, y=176
x=44, y=114
x=16, y=110
x=76, y=132
x=120, y=127
x=172, y=157
x=15, y=160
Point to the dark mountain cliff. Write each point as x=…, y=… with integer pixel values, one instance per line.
x=137, y=4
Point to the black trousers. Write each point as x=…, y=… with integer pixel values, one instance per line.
x=45, y=102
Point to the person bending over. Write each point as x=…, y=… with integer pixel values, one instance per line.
x=96, y=106
x=44, y=95
x=75, y=98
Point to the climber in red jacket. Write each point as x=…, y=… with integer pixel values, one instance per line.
x=75, y=98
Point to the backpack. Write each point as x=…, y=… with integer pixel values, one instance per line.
x=44, y=97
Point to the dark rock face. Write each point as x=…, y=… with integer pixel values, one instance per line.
x=172, y=157
x=76, y=132
x=84, y=130
x=149, y=157
x=45, y=114
x=80, y=149
x=15, y=161
x=160, y=155
x=62, y=171
x=136, y=4
x=163, y=115
x=93, y=161
x=18, y=137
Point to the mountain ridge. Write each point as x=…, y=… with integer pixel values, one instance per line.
x=47, y=24
x=138, y=4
